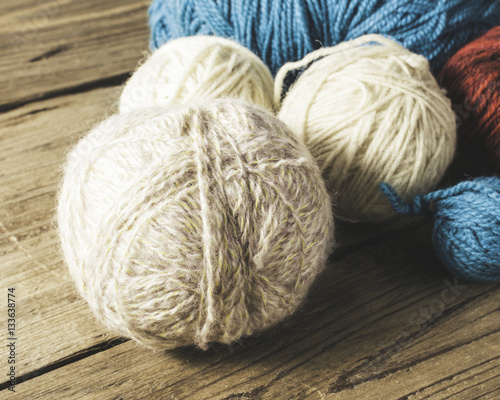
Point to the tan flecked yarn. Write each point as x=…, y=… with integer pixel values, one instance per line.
x=195, y=224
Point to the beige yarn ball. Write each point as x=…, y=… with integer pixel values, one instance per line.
x=370, y=111
x=191, y=225
x=196, y=68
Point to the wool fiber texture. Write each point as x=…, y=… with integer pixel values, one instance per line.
x=370, y=111
x=466, y=234
x=196, y=68
x=193, y=224
x=472, y=80
x=281, y=31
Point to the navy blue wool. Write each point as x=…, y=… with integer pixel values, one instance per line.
x=466, y=233
x=280, y=31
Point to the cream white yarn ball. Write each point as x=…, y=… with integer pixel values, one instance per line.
x=193, y=224
x=370, y=111
x=198, y=67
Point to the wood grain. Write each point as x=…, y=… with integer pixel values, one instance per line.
x=362, y=332
x=56, y=321
x=385, y=320
x=54, y=47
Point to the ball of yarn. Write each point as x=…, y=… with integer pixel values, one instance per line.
x=194, y=68
x=472, y=80
x=466, y=234
x=370, y=111
x=195, y=224
x=282, y=31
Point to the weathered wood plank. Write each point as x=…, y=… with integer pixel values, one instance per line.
x=54, y=46
x=53, y=321
x=377, y=325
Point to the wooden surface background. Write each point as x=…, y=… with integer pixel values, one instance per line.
x=385, y=321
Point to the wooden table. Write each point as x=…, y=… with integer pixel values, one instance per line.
x=385, y=321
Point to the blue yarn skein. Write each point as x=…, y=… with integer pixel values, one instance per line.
x=280, y=31
x=466, y=233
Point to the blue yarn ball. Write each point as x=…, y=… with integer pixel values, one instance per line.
x=466, y=233
x=280, y=31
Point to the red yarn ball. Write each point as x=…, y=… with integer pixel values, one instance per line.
x=472, y=79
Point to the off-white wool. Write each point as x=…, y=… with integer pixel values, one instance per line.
x=198, y=67
x=370, y=111
x=193, y=224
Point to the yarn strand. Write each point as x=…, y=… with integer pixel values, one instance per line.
x=282, y=31
x=466, y=233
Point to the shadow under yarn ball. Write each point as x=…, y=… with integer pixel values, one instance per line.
x=466, y=233
x=195, y=224
x=281, y=31
x=194, y=68
x=370, y=111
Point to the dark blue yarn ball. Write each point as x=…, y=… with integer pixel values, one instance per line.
x=280, y=31
x=466, y=233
